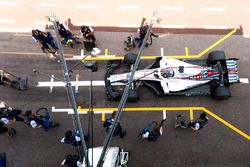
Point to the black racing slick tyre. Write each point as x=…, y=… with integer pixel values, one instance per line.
x=221, y=92
x=216, y=56
x=130, y=58
x=133, y=96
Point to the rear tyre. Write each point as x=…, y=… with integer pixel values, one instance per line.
x=216, y=56
x=133, y=96
x=130, y=58
x=221, y=92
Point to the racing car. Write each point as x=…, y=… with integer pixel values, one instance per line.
x=167, y=76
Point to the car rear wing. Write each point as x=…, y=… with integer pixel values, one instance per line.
x=232, y=69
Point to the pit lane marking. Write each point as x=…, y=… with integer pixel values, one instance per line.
x=244, y=80
x=7, y=3
x=215, y=27
x=172, y=26
x=88, y=6
x=6, y=21
x=152, y=109
x=51, y=5
x=214, y=9
x=129, y=7
x=172, y=8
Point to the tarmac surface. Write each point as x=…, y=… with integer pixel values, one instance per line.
x=215, y=145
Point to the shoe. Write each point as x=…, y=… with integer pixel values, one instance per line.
x=55, y=124
x=12, y=132
x=71, y=45
x=123, y=134
x=58, y=61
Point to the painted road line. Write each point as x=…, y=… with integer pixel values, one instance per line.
x=103, y=117
x=27, y=53
x=7, y=3
x=172, y=8
x=216, y=43
x=150, y=109
x=88, y=6
x=43, y=23
x=6, y=21
x=214, y=9
x=191, y=115
x=23, y=34
x=244, y=80
x=215, y=27
x=227, y=124
x=14, y=29
x=248, y=9
x=86, y=24
x=172, y=26
x=51, y=5
x=129, y=7
x=76, y=83
x=164, y=114
x=128, y=25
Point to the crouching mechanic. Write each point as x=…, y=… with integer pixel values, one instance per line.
x=66, y=34
x=73, y=138
x=38, y=121
x=153, y=131
x=71, y=161
x=199, y=123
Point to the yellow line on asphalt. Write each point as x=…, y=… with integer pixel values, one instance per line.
x=190, y=109
x=227, y=124
x=28, y=53
x=143, y=109
x=186, y=56
x=106, y=52
x=217, y=43
x=186, y=50
x=191, y=115
x=103, y=117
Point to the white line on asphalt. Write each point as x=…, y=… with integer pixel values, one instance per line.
x=164, y=114
x=87, y=24
x=7, y=21
x=214, y=9
x=215, y=27
x=129, y=7
x=89, y=6
x=172, y=8
x=128, y=25
x=172, y=26
x=42, y=23
x=74, y=83
x=244, y=80
x=7, y=3
x=246, y=36
x=52, y=5
x=11, y=29
x=248, y=9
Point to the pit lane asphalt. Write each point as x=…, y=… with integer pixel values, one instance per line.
x=215, y=145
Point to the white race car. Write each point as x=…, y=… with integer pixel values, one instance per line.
x=175, y=77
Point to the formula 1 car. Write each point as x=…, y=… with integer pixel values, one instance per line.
x=167, y=76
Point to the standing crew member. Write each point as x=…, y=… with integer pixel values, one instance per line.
x=153, y=131
x=109, y=123
x=45, y=39
x=88, y=33
x=142, y=31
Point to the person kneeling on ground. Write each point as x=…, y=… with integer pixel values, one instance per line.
x=73, y=138
x=199, y=123
x=4, y=129
x=180, y=121
x=108, y=123
x=71, y=161
x=66, y=34
x=153, y=131
x=38, y=121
